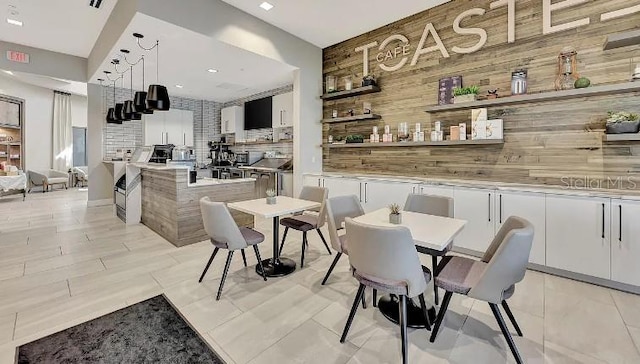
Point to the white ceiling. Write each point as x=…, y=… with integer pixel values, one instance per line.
x=327, y=22
x=76, y=88
x=65, y=26
x=185, y=57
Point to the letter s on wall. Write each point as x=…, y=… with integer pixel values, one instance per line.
x=474, y=31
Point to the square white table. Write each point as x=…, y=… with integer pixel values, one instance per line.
x=432, y=235
x=276, y=266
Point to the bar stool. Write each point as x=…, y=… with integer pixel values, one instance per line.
x=385, y=258
x=225, y=234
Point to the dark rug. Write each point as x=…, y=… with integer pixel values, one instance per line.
x=151, y=331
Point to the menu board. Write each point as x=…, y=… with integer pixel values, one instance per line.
x=445, y=89
x=9, y=113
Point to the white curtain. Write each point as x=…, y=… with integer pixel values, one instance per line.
x=62, y=132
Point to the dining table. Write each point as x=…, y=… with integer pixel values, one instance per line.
x=275, y=266
x=432, y=235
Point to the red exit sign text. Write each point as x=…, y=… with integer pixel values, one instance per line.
x=19, y=57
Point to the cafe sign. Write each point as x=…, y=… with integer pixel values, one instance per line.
x=394, y=52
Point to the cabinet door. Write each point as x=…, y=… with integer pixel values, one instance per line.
x=476, y=207
x=578, y=234
x=379, y=194
x=187, y=128
x=342, y=187
x=226, y=126
x=625, y=242
x=444, y=191
x=173, y=127
x=313, y=181
x=154, y=129
x=530, y=206
x=282, y=114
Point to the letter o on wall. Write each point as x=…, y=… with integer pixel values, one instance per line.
x=385, y=43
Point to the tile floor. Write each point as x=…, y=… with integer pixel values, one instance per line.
x=62, y=263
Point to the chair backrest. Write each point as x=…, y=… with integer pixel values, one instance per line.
x=316, y=194
x=219, y=224
x=429, y=204
x=507, y=260
x=337, y=209
x=385, y=255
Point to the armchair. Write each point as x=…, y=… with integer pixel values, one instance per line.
x=47, y=178
x=81, y=175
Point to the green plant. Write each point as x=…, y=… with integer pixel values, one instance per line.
x=471, y=90
x=621, y=117
x=271, y=192
x=394, y=209
x=355, y=138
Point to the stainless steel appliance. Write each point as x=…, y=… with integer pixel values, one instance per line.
x=161, y=153
x=182, y=153
x=120, y=194
x=248, y=158
x=267, y=173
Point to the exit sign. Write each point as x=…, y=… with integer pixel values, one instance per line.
x=20, y=57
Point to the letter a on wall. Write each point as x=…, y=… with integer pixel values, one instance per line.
x=439, y=46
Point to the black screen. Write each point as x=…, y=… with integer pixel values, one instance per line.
x=257, y=114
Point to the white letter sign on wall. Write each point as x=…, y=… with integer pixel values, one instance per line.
x=365, y=56
x=548, y=8
x=391, y=54
x=620, y=13
x=511, y=17
x=475, y=31
x=429, y=29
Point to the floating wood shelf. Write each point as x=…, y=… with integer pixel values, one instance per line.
x=355, y=92
x=5, y=126
x=345, y=119
x=620, y=40
x=445, y=143
x=263, y=142
x=629, y=137
x=543, y=96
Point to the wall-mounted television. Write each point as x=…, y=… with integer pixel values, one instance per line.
x=257, y=113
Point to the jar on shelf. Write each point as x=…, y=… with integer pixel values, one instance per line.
x=331, y=84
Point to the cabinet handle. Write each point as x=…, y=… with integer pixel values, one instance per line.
x=500, y=209
x=413, y=190
x=281, y=122
x=360, y=192
x=365, y=193
x=319, y=182
x=603, y=221
x=489, y=214
x=620, y=224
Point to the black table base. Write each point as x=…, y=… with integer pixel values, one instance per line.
x=388, y=305
x=283, y=267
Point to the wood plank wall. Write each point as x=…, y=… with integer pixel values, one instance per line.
x=545, y=143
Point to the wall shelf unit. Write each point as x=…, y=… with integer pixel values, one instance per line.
x=350, y=93
x=283, y=141
x=603, y=90
x=445, y=143
x=628, y=137
x=364, y=117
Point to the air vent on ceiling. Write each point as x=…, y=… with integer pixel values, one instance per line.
x=231, y=87
x=95, y=3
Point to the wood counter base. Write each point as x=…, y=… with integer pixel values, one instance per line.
x=171, y=207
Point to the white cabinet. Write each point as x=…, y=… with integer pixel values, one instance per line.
x=476, y=206
x=232, y=120
x=625, y=241
x=312, y=180
x=380, y=194
x=530, y=206
x=343, y=187
x=444, y=191
x=578, y=231
x=169, y=127
x=282, y=111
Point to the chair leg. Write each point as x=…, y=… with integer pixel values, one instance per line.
x=364, y=301
x=505, y=332
x=224, y=274
x=511, y=317
x=352, y=314
x=403, y=328
x=375, y=298
x=333, y=265
x=440, y=318
x=284, y=237
x=434, y=264
x=215, y=251
x=425, y=312
x=304, y=245
x=324, y=241
x=257, y=251
x=244, y=257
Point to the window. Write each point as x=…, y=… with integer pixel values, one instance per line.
x=79, y=147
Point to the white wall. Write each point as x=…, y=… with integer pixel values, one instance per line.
x=39, y=119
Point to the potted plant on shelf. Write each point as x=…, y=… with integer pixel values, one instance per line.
x=622, y=122
x=354, y=138
x=395, y=217
x=465, y=94
x=271, y=196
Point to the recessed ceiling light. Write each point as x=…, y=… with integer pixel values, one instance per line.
x=266, y=6
x=14, y=22
x=212, y=70
x=179, y=86
x=9, y=73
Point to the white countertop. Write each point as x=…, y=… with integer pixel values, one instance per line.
x=284, y=206
x=500, y=186
x=215, y=182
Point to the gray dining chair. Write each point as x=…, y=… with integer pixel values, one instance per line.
x=385, y=259
x=306, y=222
x=225, y=234
x=337, y=210
x=432, y=205
x=491, y=279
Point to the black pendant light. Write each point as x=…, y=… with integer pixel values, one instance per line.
x=111, y=112
x=157, y=95
x=129, y=109
x=120, y=114
x=140, y=99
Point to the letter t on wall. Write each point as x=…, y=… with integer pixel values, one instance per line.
x=511, y=16
x=548, y=8
x=365, y=56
